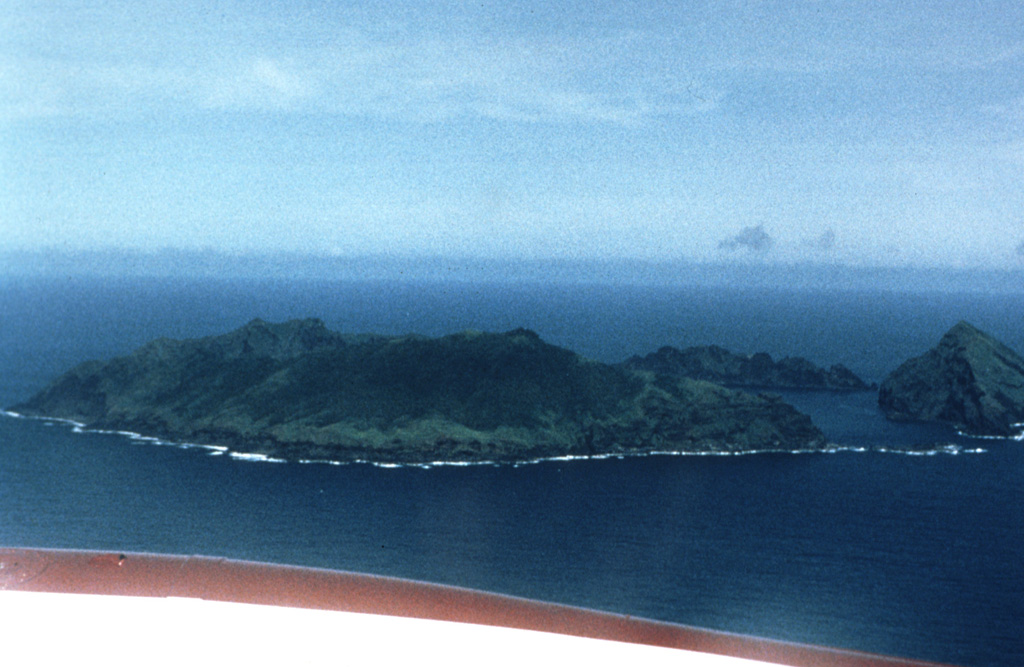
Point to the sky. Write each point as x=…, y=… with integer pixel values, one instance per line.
x=850, y=133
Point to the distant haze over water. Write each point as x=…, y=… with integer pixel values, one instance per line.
x=115, y=263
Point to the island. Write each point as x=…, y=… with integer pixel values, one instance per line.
x=969, y=380
x=716, y=364
x=299, y=391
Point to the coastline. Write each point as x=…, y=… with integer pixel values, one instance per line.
x=242, y=455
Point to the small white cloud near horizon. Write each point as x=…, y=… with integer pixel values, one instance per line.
x=754, y=239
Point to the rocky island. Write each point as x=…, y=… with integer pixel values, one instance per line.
x=299, y=391
x=716, y=364
x=969, y=380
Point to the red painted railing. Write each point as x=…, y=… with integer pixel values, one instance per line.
x=148, y=575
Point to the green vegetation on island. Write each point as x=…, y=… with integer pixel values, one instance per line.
x=716, y=364
x=969, y=380
x=297, y=390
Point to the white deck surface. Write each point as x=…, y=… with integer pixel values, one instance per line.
x=67, y=629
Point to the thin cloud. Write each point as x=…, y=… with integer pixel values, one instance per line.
x=279, y=79
x=426, y=79
x=264, y=83
x=750, y=238
x=1012, y=109
x=1006, y=54
x=52, y=87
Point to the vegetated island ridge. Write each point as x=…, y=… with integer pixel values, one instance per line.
x=299, y=391
x=969, y=380
x=716, y=364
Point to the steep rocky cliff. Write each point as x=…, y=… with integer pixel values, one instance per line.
x=969, y=380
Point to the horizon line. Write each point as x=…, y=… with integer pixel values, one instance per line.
x=210, y=263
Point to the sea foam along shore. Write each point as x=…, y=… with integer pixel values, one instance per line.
x=79, y=427
x=221, y=450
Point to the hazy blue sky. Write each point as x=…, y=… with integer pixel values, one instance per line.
x=869, y=133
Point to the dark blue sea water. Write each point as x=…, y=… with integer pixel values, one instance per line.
x=919, y=553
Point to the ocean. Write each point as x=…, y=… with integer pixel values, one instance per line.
x=909, y=540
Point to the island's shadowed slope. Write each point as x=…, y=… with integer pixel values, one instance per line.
x=716, y=364
x=299, y=391
x=969, y=380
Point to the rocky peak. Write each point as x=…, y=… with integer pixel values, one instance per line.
x=969, y=380
x=963, y=330
x=276, y=341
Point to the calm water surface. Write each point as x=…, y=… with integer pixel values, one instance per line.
x=915, y=553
